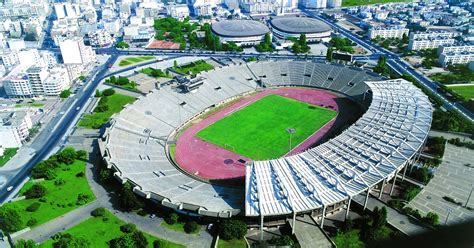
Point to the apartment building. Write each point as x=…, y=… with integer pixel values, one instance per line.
x=387, y=32
x=14, y=128
x=430, y=40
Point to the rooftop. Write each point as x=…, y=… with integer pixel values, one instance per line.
x=297, y=25
x=239, y=28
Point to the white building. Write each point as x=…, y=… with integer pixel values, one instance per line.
x=456, y=49
x=178, y=11
x=313, y=4
x=446, y=59
x=9, y=58
x=17, y=84
x=100, y=38
x=430, y=40
x=57, y=81
x=75, y=52
x=14, y=128
x=387, y=32
x=36, y=77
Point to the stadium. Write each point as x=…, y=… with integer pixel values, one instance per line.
x=293, y=27
x=268, y=139
x=242, y=32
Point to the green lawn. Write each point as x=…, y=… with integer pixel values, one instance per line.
x=466, y=91
x=99, y=230
x=178, y=227
x=59, y=199
x=133, y=60
x=194, y=67
x=258, y=131
x=234, y=243
x=7, y=155
x=115, y=103
x=29, y=105
x=348, y=239
x=346, y=3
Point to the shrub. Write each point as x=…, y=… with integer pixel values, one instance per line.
x=98, y=212
x=67, y=155
x=33, y=207
x=32, y=222
x=431, y=219
x=81, y=154
x=157, y=244
x=190, y=227
x=59, y=182
x=108, y=92
x=80, y=174
x=172, y=219
x=36, y=191
x=82, y=199
x=65, y=94
x=25, y=243
x=128, y=228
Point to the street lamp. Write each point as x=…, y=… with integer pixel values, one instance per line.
x=290, y=131
x=447, y=216
x=469, y=197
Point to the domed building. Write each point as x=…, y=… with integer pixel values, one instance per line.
x=293, y=27
x=242, y=32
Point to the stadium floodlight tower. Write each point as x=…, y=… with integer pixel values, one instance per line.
x=291, y=131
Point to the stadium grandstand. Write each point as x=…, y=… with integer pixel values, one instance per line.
x=319, y=180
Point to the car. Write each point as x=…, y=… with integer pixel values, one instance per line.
x=152, y=216
x=77, y=109
x=9, y=188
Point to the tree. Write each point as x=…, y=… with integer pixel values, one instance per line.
x=97, y=93
x=284, y=240
x=122, y=44
x=31, y=37
x=67, y=155
x=129, y=240
x=25, y=243
x=10, y=220
x=128, y=199
x=172, y=218
x=329, y=54
x=431, y=219
x=381, y=65
x=36, y=191
x=190, y=226
x=128, y=228
x=65, y=94
x=405, y=38
x=232, y=229
x=175, y=64
x=33, y=207
x=82, y=78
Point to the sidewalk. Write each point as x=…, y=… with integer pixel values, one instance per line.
x=401, y=222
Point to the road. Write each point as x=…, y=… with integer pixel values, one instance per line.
x=399, y=65
x=53, y=134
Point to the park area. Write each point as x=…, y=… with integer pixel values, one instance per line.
x=346, y=3
x=108, y=105
x=260, y=130
x=466, y=91
x=7, y=155
x=60, y=187
x=194, y=67
x=105, y=229
x=134, y=60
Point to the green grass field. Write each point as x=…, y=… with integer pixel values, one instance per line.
x=7, y=155
x=29, y=105
x=99, y=230
x=346, y=3
x=178, y=227
x=59, y=199
x=195, y=67
x=115, y=103
x=258, y=131
x=234, y=243
x=133, y=60
x=466, y=91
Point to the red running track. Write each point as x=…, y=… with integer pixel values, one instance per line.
x=209, y=161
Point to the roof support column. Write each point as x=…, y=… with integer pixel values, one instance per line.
x=404, y=172
x=322, y=219
x=366, y=198
x=348, y=207
x=294, y=223
x=393, y=183
x=261, y=227
x=381, y=189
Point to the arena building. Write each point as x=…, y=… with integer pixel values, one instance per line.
x=143, y=144
x=293, y=27
x=242, y=32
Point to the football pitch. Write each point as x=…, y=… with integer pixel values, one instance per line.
x=259, y=130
